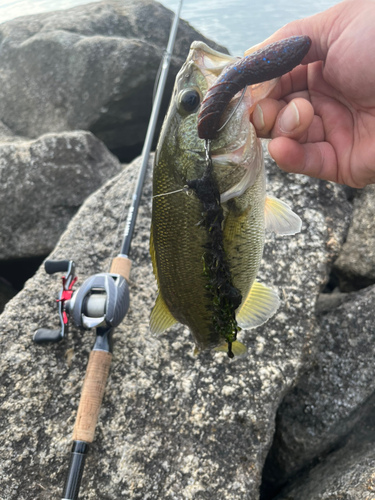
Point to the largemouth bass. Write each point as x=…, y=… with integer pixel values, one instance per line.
x=206, y=271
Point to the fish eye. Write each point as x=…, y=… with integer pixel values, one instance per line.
x=188, y=101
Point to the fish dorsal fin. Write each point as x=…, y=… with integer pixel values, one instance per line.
x=279, y=217
x=261, y=303
x=161, y=318
x=238, y=348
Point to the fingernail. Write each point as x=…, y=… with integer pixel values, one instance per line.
x=289, y=120
x=258, y=119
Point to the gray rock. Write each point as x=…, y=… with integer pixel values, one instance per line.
x=329, y=301
x=92, y=67
x=328, y=399
x=42, y=185
x=347, y=473
x=6, y=135
x=172, y=425
x=355, y=265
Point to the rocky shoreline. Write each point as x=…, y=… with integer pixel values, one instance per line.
x=293, y=420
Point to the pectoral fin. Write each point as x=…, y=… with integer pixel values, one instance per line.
x=261, y=303
x=161, y=318
x=279, y=217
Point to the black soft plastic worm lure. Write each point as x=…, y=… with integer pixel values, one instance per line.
x=271, y=61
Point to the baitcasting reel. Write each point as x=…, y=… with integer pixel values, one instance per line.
x=101, y=302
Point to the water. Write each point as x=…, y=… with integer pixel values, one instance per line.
x=236, y=24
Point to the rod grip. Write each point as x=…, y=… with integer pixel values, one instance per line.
x=92, y=395
x=121, y=265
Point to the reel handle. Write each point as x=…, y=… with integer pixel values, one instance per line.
x=45, y=336
x=56, y=266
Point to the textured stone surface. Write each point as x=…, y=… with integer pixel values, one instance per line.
x=172, y=425
x=346, y=474
x=329, y=398
x=6, y=135
x=355, y=266
x=42, y=185
x=92, y=67
x=328, y=301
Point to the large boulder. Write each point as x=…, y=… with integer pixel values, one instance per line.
x=43, y=182
x=348, y=472
x=172, y=425
x=92, y=67
x=355, y=266
x=330, y=397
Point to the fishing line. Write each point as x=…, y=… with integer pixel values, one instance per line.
x=185, y=189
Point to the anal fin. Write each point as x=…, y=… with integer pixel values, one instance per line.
x=238, y=348
x=280, y=218
x=261, y=303
x=161, y=318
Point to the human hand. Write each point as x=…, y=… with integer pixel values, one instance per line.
x=321, y=115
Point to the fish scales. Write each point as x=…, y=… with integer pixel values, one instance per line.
x=182, y=245
x=179, y=268
x=244, y=231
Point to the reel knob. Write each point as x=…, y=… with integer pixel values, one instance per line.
x=56, y=266
x=44, y=336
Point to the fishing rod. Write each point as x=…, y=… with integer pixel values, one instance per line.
x=102, y=303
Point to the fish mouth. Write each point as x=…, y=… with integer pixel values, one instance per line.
x=210, y=62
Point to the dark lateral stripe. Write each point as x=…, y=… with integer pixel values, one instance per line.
x=270, y=62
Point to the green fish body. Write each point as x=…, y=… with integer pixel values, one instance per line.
x=179, y=240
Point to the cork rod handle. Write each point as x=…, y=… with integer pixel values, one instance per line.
x=92, y=396
x=121, y=265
